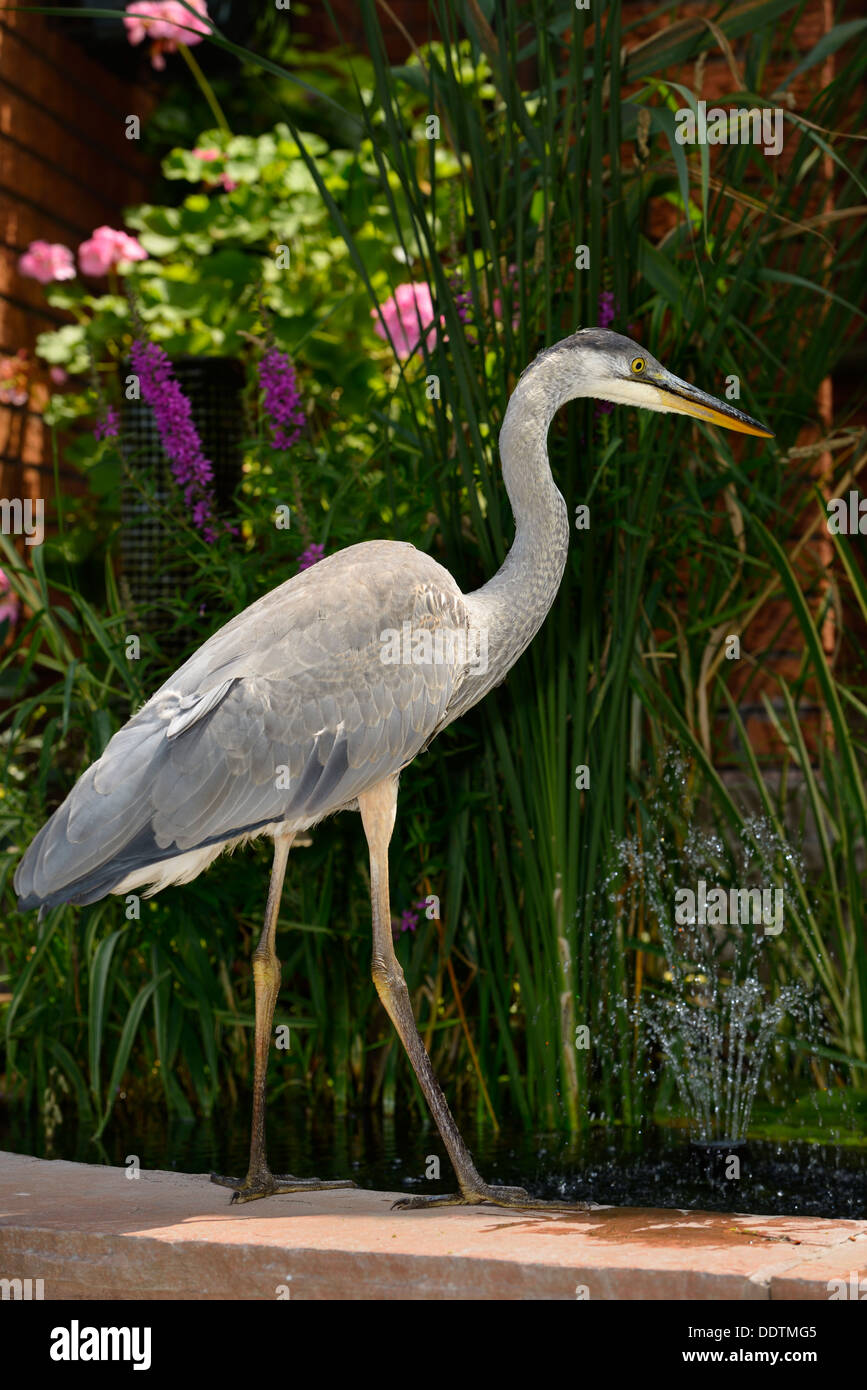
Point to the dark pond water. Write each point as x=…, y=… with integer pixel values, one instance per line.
x=653, y=1167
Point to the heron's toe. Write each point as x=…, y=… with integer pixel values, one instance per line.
x=516, y=1198
x=266, y=1184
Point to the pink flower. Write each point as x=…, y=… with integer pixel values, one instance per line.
x=208, y=157
x=106, y=249
x=59, y=376
x=47, y=260
x=15, y=379
x=9, y=604
x=167, y=24
x=407, y=315
x=496, y=303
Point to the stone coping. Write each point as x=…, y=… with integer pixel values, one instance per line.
x=90, y=1232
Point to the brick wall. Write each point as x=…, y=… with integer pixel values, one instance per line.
x=65, y=168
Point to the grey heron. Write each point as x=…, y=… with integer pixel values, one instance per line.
x=291, y=712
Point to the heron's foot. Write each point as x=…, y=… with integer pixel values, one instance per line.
x=266, y=1184
x=515, y=1198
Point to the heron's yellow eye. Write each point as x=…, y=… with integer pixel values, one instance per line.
x=638, y=364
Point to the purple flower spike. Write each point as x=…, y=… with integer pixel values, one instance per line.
x=463, y=298
x=282, y=399
x=311, y=556
x=608, y=308
x=108, y=427
x=178, y=435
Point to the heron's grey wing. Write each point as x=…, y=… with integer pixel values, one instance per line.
x=295, y=750
x=286, y=714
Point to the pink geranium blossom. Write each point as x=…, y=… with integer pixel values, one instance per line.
x=47, y=260
x=106, y=248
x=208, y=156
x=407, y=314
x=167, y=24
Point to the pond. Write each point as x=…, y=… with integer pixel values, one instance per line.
x=650, y=1167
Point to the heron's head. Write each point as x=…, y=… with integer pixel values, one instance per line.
x=596, y=362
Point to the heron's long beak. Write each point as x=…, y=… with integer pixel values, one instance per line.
x=686, y=399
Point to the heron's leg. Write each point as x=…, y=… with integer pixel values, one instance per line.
x=377, y=808
x=260, y=1181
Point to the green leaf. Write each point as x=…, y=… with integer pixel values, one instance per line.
x=99, y=986
x=125, y=1044
x=828, y=44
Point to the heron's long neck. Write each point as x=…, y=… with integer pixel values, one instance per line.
x=512, y=605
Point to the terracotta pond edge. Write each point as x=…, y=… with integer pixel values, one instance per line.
x=89, y=1232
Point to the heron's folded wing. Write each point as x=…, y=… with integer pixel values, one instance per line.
x=294, y=750
x=293, y=730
